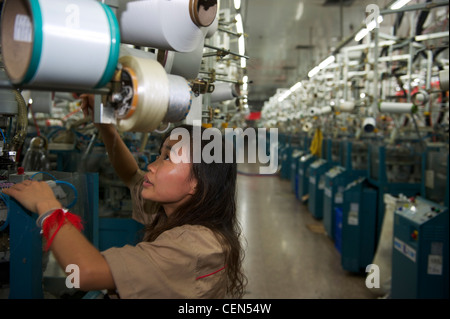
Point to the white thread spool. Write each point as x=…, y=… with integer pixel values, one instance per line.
x=224, y=92
x=169, y=25
x=212, y=29
x=346, y=106
x=59, y=43
x=326, y=110
x=369, y=124
x=180, y=99
x=183, y=64
x=392, y=107
x=313, y=111
x=307, y=127
x=150, y=95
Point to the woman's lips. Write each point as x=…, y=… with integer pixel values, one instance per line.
x=147, y=182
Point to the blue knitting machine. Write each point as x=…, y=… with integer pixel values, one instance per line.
x=395, y=169
x=420, y=263
x=353, y=164
x=303, y=175
x=355, y=234
x=316, y=186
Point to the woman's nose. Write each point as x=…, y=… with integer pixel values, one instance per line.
x=152, y=166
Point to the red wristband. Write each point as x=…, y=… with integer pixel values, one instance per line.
x=59, y=217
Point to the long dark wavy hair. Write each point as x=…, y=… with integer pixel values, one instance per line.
x=213, y=205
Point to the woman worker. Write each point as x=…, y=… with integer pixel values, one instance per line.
x=192, y=244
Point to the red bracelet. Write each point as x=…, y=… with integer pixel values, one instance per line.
x=59, y=217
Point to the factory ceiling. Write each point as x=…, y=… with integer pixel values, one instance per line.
x=287, y=38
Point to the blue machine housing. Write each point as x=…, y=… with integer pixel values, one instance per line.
x=296, y=155
x=303, y=175
x=316, y=186
x=335, y=181
x=356, y=230
x=353, y=165
x=26, y=273
x=26, y=257
x=436, y=174
x=406, y=180
x=420, y=263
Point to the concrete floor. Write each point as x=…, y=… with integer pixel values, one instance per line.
x=288, y=255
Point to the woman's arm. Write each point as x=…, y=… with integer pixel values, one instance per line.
x=69, y=245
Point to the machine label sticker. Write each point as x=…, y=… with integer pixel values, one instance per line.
x=22, y=29
x=321, y=183
x=405, y=249
x=327, y=192
x=353, y=216
x=434, y=265
x=339, y=198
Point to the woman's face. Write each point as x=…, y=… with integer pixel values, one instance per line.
x=169, y=181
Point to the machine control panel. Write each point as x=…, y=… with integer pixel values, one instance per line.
x=318, y=163
x=306, y=157
x=420, y=210
x=335, y=171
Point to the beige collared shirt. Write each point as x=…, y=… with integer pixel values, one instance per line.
x=183, y=262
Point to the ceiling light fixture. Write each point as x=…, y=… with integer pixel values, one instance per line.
x=327, y=62
x=399, y=4
x=313, y=72
x=237, y=4
x=286, y=94
x=300, y=9
x=365, y=31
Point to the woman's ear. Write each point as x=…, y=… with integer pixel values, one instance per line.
x=193, y=185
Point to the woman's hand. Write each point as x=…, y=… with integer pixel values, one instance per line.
x=87, y=105
x=35, y=196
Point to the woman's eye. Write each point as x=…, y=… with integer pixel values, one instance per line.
x=165, y=157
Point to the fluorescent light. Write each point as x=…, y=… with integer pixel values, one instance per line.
x=241, y=41
x=327, y=62
x=239, y=25
x=237, y=4
x=299, y=14
x=295, y=87
x=313, y=72
x=284, y=96
x=399, y=4
x=243, y=63
x=241, y=45
x=365, y=31
x=372, y=25
x=361, y=34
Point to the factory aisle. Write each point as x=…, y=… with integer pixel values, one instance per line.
x=288, y=255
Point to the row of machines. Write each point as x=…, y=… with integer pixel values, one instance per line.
x=346, y=187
